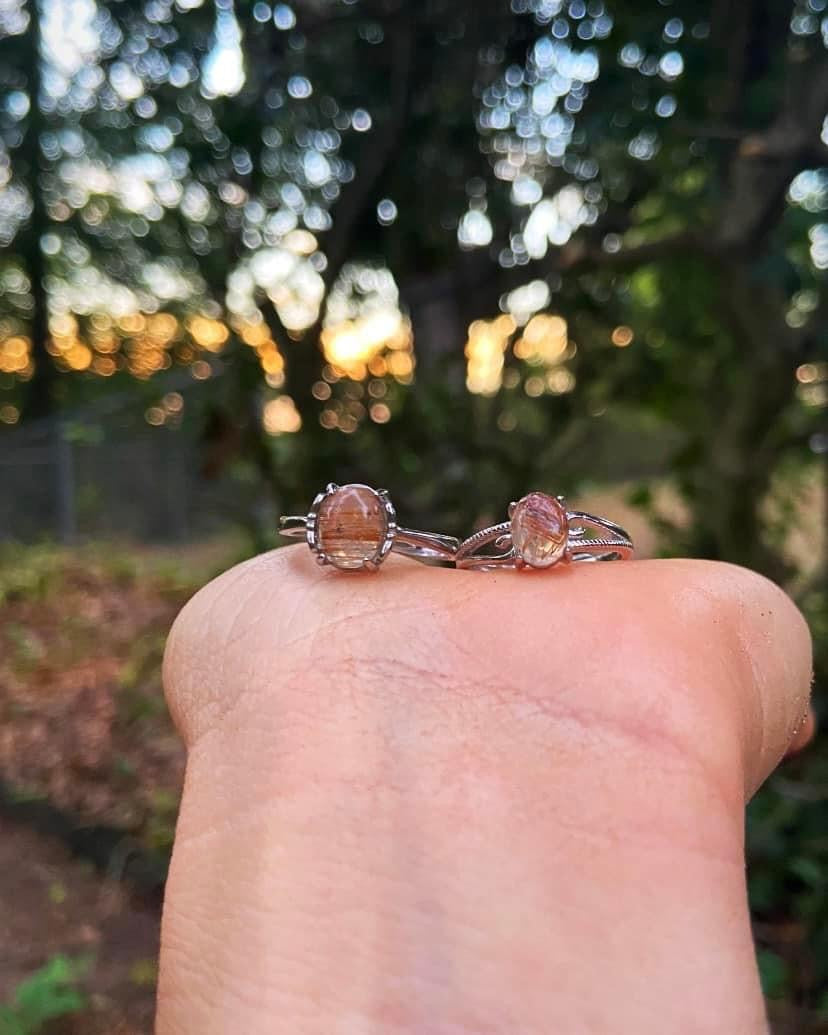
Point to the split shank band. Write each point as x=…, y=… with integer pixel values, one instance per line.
x=354, y=528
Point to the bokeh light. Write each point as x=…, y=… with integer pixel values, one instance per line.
x=485, y=348
x=280, y=416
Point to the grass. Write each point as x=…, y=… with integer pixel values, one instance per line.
x=51, y=992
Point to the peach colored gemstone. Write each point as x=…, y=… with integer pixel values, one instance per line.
x=539, y=530
x=351, y=526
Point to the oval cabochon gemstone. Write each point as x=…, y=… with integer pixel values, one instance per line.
x=540, y=530
x=351, y=526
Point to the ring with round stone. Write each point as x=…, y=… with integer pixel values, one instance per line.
x=354, y=528
x=540, y=533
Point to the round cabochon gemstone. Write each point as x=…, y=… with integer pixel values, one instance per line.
x=351, y=526
x=540, y=530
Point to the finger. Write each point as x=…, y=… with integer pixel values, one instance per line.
x=804, y=735
x=376, y=760
x=725, y=652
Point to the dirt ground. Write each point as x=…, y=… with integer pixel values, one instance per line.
x=90, y=769
x=55, y=903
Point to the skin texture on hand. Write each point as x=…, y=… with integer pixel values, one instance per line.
x=447, y=802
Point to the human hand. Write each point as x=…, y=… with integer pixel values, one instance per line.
x=447, y=802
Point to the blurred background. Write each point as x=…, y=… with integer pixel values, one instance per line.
x=460, y=249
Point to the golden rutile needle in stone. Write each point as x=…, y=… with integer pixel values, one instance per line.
x=540, y=530
x=351, y=526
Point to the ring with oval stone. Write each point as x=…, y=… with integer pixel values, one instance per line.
x=354, y=528
x=540, y=533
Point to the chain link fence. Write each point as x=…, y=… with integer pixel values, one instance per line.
x=110, y=474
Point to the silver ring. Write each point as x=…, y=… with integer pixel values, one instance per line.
x=354, y=528
x=540, y=533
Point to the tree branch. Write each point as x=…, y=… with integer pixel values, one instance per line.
x=765, y=163
x=578, y=254
x=358, y=195
x=730, y=35
x=807, y=338
x=354, y=202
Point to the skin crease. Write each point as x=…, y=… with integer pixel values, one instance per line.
x=446, y=802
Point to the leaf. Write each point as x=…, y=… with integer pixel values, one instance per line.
x=49, y=993
x=773, y=971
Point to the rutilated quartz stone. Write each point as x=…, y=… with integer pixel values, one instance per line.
x=351, y=526
x=540, y=530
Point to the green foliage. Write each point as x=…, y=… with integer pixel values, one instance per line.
x=787, y=845
x=50, y=993
x=144, y=973
x=57, y=893
x=29, y=573
x=141, y=669
x=160, y=826
x=27, y=651
x=773, y=973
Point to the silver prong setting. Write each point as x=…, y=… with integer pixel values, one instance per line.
x=358, y=531
x=390, y=526
x=313, y=524
x=313, y=537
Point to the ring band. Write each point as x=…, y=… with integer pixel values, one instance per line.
x=541, y=533
x=354, y=528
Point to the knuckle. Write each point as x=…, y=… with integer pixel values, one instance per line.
x=746, y=611
x=748, y=649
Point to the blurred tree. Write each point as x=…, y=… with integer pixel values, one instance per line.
x=279, y=189
x=597, y=228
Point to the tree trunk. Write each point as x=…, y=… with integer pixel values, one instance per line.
x=740, y=457
x=40, y=400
